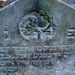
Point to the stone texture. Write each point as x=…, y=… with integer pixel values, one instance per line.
x=30, y=70
x=65, y=67
x=17, y=53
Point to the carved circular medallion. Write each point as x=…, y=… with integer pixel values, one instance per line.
x=38, y=25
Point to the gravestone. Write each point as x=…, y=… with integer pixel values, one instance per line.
x=37, y=38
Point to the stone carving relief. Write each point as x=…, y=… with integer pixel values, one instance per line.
x=38, y=25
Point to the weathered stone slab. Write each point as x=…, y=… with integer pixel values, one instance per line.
x=39, y=33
